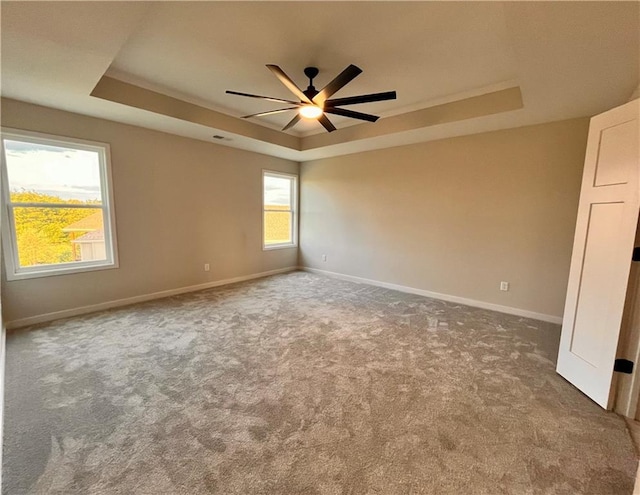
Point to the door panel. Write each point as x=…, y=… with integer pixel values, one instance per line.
x=596, y=280
x=601, y=259
x=614, y=158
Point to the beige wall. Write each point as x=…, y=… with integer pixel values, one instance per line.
x=455, y=216
x=179, y=203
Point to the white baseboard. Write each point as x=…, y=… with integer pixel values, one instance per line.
x=444, y=297
x=92, y=308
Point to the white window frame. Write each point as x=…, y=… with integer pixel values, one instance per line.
x=9, y=242
x=294, y=210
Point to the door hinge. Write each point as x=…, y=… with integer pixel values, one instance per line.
x=636, y=254
x=623, y=366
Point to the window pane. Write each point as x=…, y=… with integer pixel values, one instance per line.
x=277, y=191
x=42, y=173
x=277, y=227
x=47, y=236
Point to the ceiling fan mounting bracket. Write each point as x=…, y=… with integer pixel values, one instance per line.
x=311, y=72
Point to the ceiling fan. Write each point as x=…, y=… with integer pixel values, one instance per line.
x=316, y=104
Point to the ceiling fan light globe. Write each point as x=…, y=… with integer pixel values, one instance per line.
x=310, y=111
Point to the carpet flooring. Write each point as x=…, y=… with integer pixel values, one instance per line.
x=302, y=384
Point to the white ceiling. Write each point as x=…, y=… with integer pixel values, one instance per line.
x=570, y=59
x=226, y=46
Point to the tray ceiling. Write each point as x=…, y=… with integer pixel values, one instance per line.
x=458, y=67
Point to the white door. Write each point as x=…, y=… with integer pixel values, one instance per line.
x=602, y=250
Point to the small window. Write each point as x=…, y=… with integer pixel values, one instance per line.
x=279, y=216
x=57, y=214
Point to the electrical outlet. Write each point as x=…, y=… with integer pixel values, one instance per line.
x=504, y=286
x=206, y=267
x=324, y=257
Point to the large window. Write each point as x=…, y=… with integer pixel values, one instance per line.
x=57, y=215
x=279, y=204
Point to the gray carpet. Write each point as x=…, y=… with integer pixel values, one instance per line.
x=301, y=384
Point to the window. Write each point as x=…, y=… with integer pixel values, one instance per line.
x=279, y=204
x=57, y=215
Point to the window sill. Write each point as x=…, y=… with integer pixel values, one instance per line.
x=279, y=246
x=51, y=272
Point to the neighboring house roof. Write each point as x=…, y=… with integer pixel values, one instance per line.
x=87, y=224
x=94, y=236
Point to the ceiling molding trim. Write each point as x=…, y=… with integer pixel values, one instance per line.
x=505, y=100
x=117, y=91
x=142, y=83
x=134, y=96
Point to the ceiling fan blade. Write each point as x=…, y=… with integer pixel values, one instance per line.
x=271, y=112
x=351, y=114
x=354, y=100
x=292, y=122
x=341, y=80
x=326, y=123
x=286, y=80
x=279, y=100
